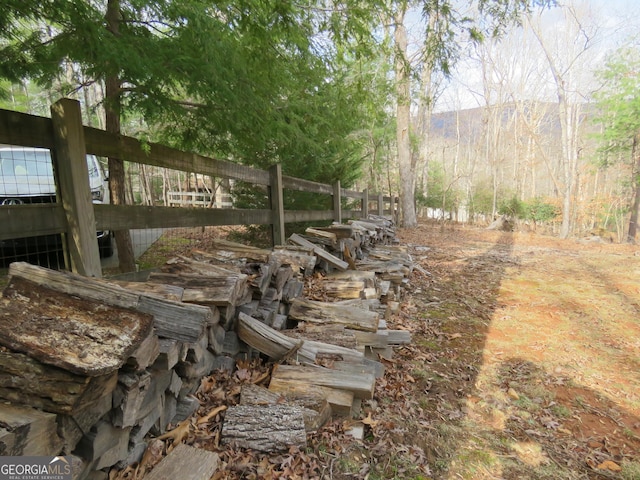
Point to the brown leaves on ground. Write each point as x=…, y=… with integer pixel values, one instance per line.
x=461, y=401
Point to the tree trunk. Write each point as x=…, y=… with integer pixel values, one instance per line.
x=633, y=221
x=116, y=166
x=407, y=172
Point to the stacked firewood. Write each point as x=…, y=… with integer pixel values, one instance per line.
x=91, y=367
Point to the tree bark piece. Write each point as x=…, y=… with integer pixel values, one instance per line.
x=81, y=336
x=314, y=415
x=322, y=312
x=186, y=463
x=271, y=428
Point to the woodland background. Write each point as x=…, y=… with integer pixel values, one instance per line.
x=467, y=110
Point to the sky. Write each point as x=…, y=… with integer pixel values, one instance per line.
x=611, y=23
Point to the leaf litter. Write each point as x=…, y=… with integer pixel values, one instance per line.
x=496, y=383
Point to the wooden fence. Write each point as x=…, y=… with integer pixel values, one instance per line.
x=76, y=215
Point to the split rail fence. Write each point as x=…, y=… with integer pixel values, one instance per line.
x=75, y=215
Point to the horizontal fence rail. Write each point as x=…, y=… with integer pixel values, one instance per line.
x=20, y=221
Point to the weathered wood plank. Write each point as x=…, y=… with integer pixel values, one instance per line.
x=82, y=336
x=219, y=291
x=186, y=463
x=31, y=220
x=126, y=217
x=323, y=312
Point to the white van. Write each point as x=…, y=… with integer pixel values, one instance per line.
x=26, y=177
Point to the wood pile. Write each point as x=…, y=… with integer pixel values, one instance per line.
x=116, y=361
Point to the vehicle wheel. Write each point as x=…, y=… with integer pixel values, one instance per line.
x=105, y=245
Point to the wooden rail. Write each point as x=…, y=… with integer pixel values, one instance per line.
x=79, y=218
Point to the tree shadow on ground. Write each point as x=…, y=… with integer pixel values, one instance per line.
x=533, y=427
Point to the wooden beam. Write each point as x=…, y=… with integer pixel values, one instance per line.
x=27, y=130
x=277, y=204
x=292, y=183
x=72, y=185
x=20, y=221
x=337, y=202
x=123, y=217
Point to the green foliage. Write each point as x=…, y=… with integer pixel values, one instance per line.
x=261, y=82
x=539, y=211
x=441, y=193
x=512, y=207
x=481, y=200
x=619, y=104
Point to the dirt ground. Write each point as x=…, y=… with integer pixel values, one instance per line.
x=526, y=355
x=525, y=364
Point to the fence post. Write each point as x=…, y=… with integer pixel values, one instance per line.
x=277, y=204
x=365, y=203
x=337, y=202
x=380, y=204
x=72, y=185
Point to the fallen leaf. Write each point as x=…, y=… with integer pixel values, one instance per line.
x=211, y=414
x=609, y=465
x=178, y=434
x=513, y=394
x=370, y=421
x=453, y=336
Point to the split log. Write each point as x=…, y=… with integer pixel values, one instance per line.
x=368, y=278
x=292, y=289
x=271, y=428
x=266, y=340
x=220, y=291
x=169, y=354
x=321, y=253
x=186, y=463
x=169, y=292
x=361, y=385
x=315, y=415
x=343, y=289
x=399, y=337
x=278, y=346
x=322, y=312
x=309, y=393
x=74, y=426
x=333, y=334
x=146, y=353
x=102, y=437
x=340, y=231
x=56, y=390
x=224, y=251
x=26, y=431
x=322, y=233
x=300, y=259
x=83, y=337
x=378, y=339
x=171, y=319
